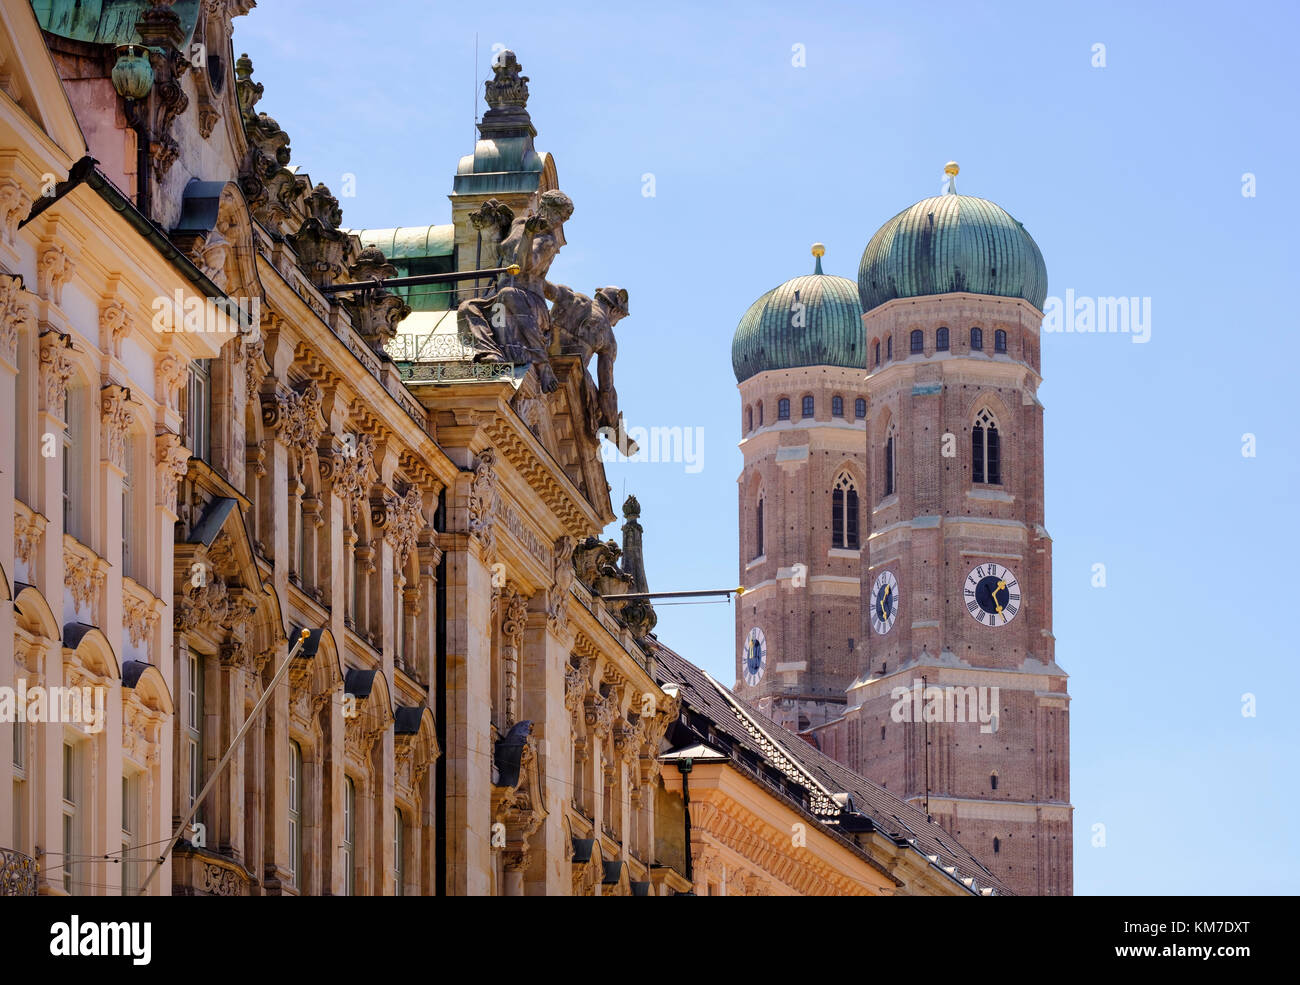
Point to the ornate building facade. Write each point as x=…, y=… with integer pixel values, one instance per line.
x=224, y=433
x=898, y=610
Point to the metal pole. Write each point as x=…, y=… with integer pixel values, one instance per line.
x=630, y=596
x=239, y=737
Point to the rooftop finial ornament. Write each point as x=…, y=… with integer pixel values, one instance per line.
x=950, y=178
x=819, y=251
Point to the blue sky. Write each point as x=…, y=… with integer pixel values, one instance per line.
x=1130, y=178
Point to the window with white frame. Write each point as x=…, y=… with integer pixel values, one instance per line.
x=72, y=820
x=349, y=836
x=198, y=409
x=399, y=854
x=194, y=729
x=295, y=813
x=20, y=786
x=131, y=840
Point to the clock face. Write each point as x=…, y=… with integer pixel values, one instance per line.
x=884, y=602
x=754, y=661
x=992, y=594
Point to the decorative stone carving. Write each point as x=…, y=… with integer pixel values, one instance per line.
x=84, y=576
x=204, y=606
x=56, y=370
x=484, y=499
x=375, y=313
x=53, y=270
x=15, y=315
x=514, y=324
x=557, y=596
x=405, y=521
x=28, y=530
x=219, y=881
x=173, y=460
x=140, y=617
x=300, y=420
x=15, y=204
x=515, y=615
x=171, y=372
x=356, y=470
x=254, y=369
x=114, y=324
x=577, y=679
x=584, y=327
x=321, y=246
x=115, y=404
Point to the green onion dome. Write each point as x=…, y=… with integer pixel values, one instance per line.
x=813, y=320
x=952, y=243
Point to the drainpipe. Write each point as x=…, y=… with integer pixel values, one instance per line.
x=684, y=768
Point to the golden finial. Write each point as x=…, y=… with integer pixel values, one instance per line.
x=951, y=169
x=818, y=250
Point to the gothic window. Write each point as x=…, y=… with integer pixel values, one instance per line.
x=997, y=846
x=860, y=408
x=986, y=465
x=807, y=406
x=891, y=464
x=882, y=733
x=889, y=348
x=783, y=409
x=844, y=513
x=837, y=406
x=758, y=527
x=295, y=813
x=198, y=409
x=749, y=419
x=993, y=781
x=941, y=340
x=760, y=413
x=976, y=338
x=875, y=348
x=918, y=340
x=1000, y=341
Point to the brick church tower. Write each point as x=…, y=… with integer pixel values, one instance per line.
x=798, y=358
x=931, y=508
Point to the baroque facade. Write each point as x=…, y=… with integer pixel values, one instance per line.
x=239, y=481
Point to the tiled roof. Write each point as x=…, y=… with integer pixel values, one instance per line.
x=807, y=777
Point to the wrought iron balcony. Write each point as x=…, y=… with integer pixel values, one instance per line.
x=17, y=873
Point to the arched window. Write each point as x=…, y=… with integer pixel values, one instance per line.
x=837, y=406
x=844, y=513
x=999, y=341
x=783, y=409
x=918, y=340
x=977, y=338
x=760, y=414
x=941, y=340
x=889, y=348
x=997, y=846
x=875, y=351
x=986, y=464
x=749, y=419
x=758, y=527
x=295, y=813
x=807, y=406
x=891, y=470
x=860, y=408
x=993, y=781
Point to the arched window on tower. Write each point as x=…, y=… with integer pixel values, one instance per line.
x=837, y=406
x=783, y=409
x=860, y=408
x=749, y=419
x=889, y=348
x=808, y=406
x=891, y=465
x=918, y=340
x=758, y=527
x=993, y=781
x=875, y=349
x=997, y=846
x=976, y=338
x=986, y=462
x=760, y=413
x=1000, y=341
x=844, y=513
x=941, y=340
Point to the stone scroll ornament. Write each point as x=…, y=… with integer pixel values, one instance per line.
x=514, y=324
